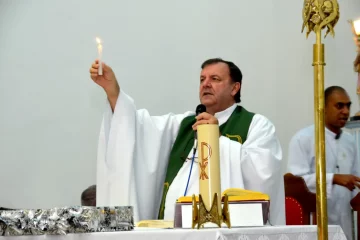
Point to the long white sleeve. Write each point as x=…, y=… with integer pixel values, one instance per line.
x=300, y=160
x=260, y=159
x=132, y=158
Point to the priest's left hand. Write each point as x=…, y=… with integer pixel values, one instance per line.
x=204, y=118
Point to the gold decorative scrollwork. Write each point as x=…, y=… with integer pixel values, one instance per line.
x=318, y=14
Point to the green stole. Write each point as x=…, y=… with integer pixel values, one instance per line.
x=235, y=128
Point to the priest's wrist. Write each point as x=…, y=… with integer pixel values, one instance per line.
x=112, y=99
x=341, y=179
x=335, y=179
x=112, y=96
x=113, y=93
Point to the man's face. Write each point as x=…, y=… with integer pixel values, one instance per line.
x=337, y=109
x=217, y=90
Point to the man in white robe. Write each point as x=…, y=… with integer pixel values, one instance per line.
x=134, y=148
x=342, y=168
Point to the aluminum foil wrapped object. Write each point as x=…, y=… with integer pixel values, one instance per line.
x=60, y=221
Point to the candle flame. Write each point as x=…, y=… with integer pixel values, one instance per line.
x=98, y=40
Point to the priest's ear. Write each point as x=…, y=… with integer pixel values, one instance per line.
x=236, y=88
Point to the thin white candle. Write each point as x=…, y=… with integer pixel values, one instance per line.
x=99, y=47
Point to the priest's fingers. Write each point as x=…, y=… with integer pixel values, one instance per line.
x=350, y=186
x=94, y=76
x=202, y=122
x=95, y=64
x=93, y=70
x=204, y=115
x=357, y=179
x=194, y=127
x=357, y=185
x=207, y=116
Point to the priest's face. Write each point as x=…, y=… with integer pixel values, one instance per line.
x=337, y=110
x=217, y=90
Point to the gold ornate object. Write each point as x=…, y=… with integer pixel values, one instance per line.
x=201, y=215
x=317, y=15
x=195, y=213
x=225, y=212
x=205, y=216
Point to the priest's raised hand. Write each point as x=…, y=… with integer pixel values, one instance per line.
x=107, y=81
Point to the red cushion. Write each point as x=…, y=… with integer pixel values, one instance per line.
x=294, y=212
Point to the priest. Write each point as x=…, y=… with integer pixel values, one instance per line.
x=145, y=161
x=342, y=169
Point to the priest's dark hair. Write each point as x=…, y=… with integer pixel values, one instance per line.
x=331, y=90
x=235, y=73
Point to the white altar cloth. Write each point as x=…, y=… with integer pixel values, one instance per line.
x=305, y=232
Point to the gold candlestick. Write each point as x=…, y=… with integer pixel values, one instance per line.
x=317, y=15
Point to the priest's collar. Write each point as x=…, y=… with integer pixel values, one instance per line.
x=332, y=134
x=223, y=116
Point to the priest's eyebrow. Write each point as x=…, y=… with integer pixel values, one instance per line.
x=214, y=75
x=211, y=76
x=343, y=104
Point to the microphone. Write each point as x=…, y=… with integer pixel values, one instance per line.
x=199, y=109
